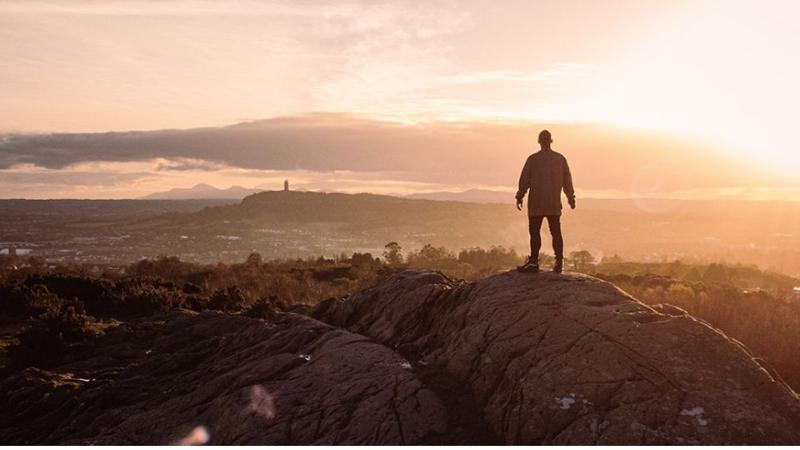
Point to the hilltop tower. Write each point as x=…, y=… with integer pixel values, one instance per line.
x=286, y=185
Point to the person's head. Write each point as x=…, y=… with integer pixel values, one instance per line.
x=545, y=139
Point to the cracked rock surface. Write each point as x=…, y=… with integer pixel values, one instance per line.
x=569, y=359
x=228, y=380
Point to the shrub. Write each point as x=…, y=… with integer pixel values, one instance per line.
x=228, y=299
x=196, y=302
x=142, y=298
x=38, y=346
x=12, y=300
x=39, y=301
x=363, y=259
x=493, y=259
x=393, y=253
x=262, y=309
x=93, y=292
x=45, y=343
x=432, y=258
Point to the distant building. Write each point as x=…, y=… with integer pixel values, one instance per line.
x=286, y=185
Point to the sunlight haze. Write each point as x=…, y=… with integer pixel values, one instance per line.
x=399, y=222
x=721, y=74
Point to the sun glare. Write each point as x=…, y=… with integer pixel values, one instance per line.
x=721, y=73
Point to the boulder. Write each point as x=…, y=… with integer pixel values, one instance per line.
x=570, y=359
x=224, y=379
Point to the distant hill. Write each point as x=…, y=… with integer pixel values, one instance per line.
x=354, y=212
x=40, y=212
x=294, y=224
x=308, y=223
x=202, y=191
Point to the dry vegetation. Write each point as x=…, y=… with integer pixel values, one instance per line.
x=47, y=311
x=767, y=321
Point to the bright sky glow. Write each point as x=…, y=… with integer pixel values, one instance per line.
x=724, y=72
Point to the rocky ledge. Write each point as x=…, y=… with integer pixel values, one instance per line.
x=224, y=379
x=570, y=359
x=416, y=359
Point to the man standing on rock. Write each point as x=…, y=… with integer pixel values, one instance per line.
x=545, y=173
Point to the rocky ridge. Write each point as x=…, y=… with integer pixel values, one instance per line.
x=416, y=359
x=224, y=379
x=569, y=359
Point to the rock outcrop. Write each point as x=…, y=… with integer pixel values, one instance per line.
x=225, y=379
x=570, y=359
x=417, y=359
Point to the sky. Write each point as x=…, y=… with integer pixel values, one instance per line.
x=720, y=75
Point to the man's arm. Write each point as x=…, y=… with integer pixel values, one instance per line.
x=524, y=182
x=568, y=188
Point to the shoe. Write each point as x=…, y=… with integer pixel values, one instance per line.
x=558, y=267
x=530, y=266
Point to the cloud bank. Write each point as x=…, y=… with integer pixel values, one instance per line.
x=341, y=152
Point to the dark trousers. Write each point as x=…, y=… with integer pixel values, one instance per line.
x=535, y=225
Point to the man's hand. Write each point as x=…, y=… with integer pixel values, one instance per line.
x=572, y=203
x=519, y=205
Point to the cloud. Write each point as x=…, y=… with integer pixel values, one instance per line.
x=343, y=152
x=85, y=175
x=553, y=74
x=84, y=180
x=99, y=65
x=188, y=164
x=141, y=178
x=173, y=7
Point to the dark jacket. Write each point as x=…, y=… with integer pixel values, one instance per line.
x=545, y=173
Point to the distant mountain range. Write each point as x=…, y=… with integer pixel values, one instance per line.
x=203, y=191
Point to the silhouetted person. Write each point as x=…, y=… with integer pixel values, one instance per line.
x=545, y=173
